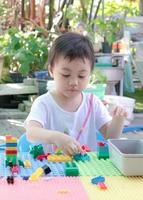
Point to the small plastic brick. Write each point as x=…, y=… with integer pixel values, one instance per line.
x=102, y=150
x=36, y=150
x=41, y=157
x=36, y=175
x=81, y=157
x=85, y=148
x=20, y=163
x=58, y=151
x=101, y=144
x=102, y=186
x=9, y=163
x=33, y=177
x=59, y=158
x=27, y=164
x=25, y=178
x=10, y=180
x=97, y=179
x=46, y=169
x=15, y=169
x=71, y=169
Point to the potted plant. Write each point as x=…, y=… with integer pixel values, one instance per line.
x=108, y=28
x=97, y=84
x=25, y=52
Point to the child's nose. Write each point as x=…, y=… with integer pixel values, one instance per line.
x=73, y=81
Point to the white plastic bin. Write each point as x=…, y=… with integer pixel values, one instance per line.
x=127, y=155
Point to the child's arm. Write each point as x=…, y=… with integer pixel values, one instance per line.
x=114, y=128
x=36, y=133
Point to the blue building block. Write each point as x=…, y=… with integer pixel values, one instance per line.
x=81, y=157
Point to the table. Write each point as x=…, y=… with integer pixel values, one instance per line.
x=57, y=186
x=114, y=74
x=17, y=88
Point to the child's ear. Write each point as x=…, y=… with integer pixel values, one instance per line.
x=50, y=70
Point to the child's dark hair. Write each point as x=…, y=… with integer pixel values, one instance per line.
x=72, y=45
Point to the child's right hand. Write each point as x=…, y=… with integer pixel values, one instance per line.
x=68, y=144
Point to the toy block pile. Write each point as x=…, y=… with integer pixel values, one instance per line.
x=11, y=150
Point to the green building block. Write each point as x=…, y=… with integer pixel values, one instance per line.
x=102, y=151
x=11, y=158
x=71, y=169
x=36, y=150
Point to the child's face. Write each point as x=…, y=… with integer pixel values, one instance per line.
x=70, y=77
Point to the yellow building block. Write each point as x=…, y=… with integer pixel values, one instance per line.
x=36, y=175
x=12, y=140
x=27, y=164
x=33, y=177
x=39, y=171
x=59, y=158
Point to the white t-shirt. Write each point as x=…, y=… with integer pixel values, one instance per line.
x=46, y=111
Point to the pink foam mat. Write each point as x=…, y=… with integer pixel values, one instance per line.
x=54, y=188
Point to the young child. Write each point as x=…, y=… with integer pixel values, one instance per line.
x=67, y=117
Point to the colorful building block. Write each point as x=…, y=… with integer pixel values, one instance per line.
x=11, y=150
x=102, y=150
x=59, y=158
x=97, y=179
x=27, y=163
x=39, y=172
x=102, y=186
x=81, y=157
x=71, y=169
x=85, y=148
x=36, y=150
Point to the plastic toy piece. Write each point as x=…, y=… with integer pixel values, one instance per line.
x=25, y=178
x=39, y=172
x=27, y=164
x=102, y=150
x=59, y=158
x=46, y=169
x=97, y=179
x=85, y=148
x=36, y=150
x=10, y=180
x=11, y=150
x=102, y=186
x=58, y=151
x=81, y=157
x=71, y=169
x=41, y=157
x=20, y=163
x=15, y=169
x=36, y=175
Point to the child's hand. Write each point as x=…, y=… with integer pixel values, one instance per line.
x=119, y=111
x=68, y=145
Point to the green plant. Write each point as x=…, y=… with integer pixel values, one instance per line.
x=97, y=77
x=109, y=27
x=24, y=52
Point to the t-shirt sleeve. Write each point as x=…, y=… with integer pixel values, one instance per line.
x=102, y=115
x=38, y=113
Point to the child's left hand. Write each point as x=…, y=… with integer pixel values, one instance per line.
x=119, y=111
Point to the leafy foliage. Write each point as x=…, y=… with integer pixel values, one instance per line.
x=24, y=51
x=97, y=77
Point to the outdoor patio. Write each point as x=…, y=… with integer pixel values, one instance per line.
x=15, y=125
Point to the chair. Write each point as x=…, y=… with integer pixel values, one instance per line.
x=23, y=144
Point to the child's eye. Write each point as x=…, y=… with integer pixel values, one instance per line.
x=81, y=76
x=65, y=75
